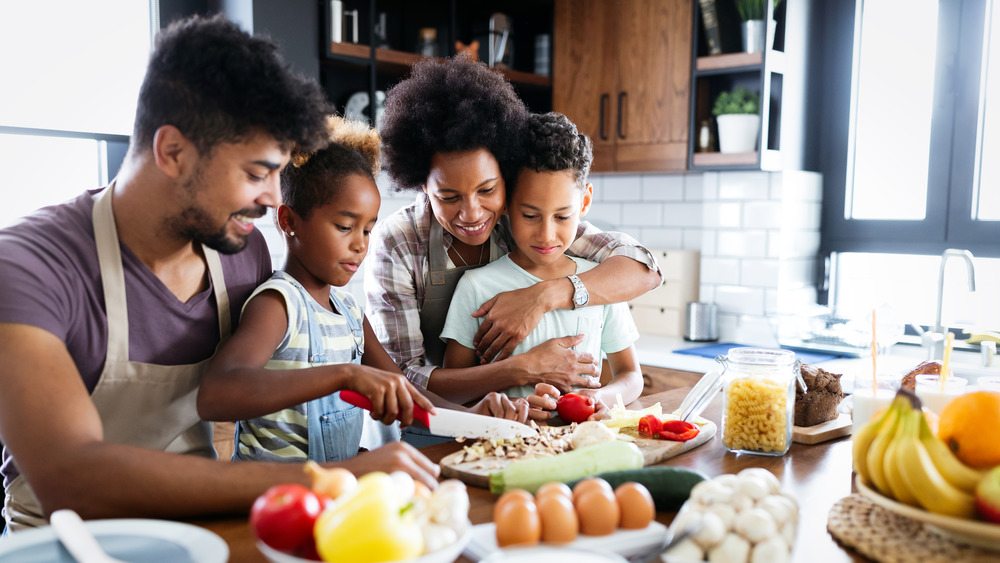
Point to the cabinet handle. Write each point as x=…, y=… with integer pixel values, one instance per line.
x=604, y=99
x=621, y=97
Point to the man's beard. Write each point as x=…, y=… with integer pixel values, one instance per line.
x=194, y=223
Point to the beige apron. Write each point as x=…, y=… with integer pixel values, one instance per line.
x=145, y=405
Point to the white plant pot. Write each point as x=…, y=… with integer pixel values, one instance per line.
x=738, y=132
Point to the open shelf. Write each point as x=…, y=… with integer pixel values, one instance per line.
x=399, y=62
x=725, y=158
x=729, y=61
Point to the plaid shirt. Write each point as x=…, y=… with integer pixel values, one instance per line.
x=397, y=267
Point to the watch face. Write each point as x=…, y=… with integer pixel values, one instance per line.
x=581, y=299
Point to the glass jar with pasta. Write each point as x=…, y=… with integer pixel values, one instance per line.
x=758, y=400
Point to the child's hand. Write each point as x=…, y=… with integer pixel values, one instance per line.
x=501, y=406
x=391, y=394
x=601, y=410
x=543, y=402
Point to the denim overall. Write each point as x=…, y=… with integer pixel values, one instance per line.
x=334, y=425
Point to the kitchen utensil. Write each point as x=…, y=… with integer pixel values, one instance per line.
x=701, y=394
x=670, y=542
x=702, y=322
x=77, y=539
x=447, y=422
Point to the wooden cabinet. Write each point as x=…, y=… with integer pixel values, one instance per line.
x=621, y=72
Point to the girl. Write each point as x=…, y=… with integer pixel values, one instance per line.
x=301, y=338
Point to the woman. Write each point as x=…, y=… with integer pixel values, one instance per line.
x=453, y=132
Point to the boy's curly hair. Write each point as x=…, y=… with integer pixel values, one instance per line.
x=217, y=84
x=553, y=144
x=312, y=180
x=447, y=106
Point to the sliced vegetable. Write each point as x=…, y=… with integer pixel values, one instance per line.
x=670, y=486
x=678, y=430
x=529, y=474
x=650, y=425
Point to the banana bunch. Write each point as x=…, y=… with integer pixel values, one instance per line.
x=899, y=455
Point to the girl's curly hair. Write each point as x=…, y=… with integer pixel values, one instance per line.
x=451, y=105
x=312, y=179
x=553, y=144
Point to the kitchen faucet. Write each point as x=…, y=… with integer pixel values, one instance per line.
x=934, y=339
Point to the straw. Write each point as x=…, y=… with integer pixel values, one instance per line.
x=874, y=356
x=948, y=343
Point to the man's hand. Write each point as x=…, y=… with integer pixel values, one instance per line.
x=391, y=394
x=500, y=406
x=397, y=456
x=508, y=318
x=556, y=363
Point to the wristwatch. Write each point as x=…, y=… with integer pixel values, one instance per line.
x=580, y=295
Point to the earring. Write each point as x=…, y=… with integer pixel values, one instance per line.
x=291, y=234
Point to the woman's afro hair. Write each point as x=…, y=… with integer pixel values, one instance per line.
x=450, y=105
x=312, y=179
x=553, y=144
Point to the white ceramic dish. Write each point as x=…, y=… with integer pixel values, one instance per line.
x=551, y=554
x=446, y=555
x=972, y=532
x=134, y=540
x=625, y=543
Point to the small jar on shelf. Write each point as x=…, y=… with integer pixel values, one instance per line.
x=427, y=45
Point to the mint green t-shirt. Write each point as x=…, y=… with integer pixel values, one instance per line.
x=608, y=328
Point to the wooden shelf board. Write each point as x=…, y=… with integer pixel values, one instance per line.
x=401, y=61
x=725, y=159
x=729, y=60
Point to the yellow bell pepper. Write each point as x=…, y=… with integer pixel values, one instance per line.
x=365, y=526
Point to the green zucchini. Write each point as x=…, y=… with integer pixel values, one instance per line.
x=529, y=474
x=669, y=486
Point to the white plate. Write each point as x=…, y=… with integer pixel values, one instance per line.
x=623, y=542
x=134, y=540
x=972, y=532
x=551, y=554
x=446, y=555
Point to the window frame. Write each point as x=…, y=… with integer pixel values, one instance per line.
x=948, y=221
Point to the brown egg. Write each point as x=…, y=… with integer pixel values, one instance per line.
x=560, y=523
x=598, y=512
x=636, y=505
x=513, y=494
x=553, y=488
x=518, y=523
x=588, y=484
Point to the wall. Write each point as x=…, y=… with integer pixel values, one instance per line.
x=758, y=234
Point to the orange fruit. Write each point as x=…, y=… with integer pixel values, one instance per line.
x=969, y=425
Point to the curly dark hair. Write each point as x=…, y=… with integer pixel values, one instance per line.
x=314, y=179
x=216, y=84
x=553, y=144
x=450, y=105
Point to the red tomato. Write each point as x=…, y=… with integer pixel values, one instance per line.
x=650, y=425
x=575, y=408
x=678, y=430
x=283, y=517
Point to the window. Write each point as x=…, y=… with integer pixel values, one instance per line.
x=919, y=171
x=71, y=72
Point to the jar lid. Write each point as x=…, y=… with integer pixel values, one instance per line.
x=428, y=33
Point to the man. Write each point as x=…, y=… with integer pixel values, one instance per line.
x=112, y=303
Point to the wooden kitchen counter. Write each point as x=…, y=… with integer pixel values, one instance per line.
x=817, y=476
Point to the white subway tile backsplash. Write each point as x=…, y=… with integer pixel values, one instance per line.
x=798, y=272
x=797, y=185
x=762, y=214
x=797, y=244
x=710, y=185
x=708, y=239
x=760, y=273
x=801, y=215
x=720, y=270
x=643, y=214
x=608, y=213
x=652, y=237
x=682, y=215
x=694, y=187
x=742, y=243
x=743, y=185
x=662, y=187
x=722, y=214
x=622, y=187
x=737, y=299
x=598, y=181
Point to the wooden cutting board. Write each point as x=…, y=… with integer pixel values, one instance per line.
x=809, y=435
x=477, y=473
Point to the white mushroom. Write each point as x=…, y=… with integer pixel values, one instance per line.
x=711, y=532
x=788, y=532
x=687, y=516
x=753, y=486
x=591, y=432
x=771, y=550
x=727, y=479
x=772, y=482
x=712, y=493
x=741, y=501
x=685, y=551
x=733, y=549
x=780, y=508
x=755, y=525
x=724, y=511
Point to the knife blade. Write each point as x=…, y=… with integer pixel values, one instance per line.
x=456, y=424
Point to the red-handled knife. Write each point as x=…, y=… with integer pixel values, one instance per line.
x=448, y=422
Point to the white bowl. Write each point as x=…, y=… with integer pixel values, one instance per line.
x=446, y=555
x=552, y=554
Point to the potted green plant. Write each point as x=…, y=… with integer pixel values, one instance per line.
x=737, y=112
x=752, y=15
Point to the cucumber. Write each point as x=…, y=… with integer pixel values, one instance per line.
x=529, y=474
x=669, y=486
